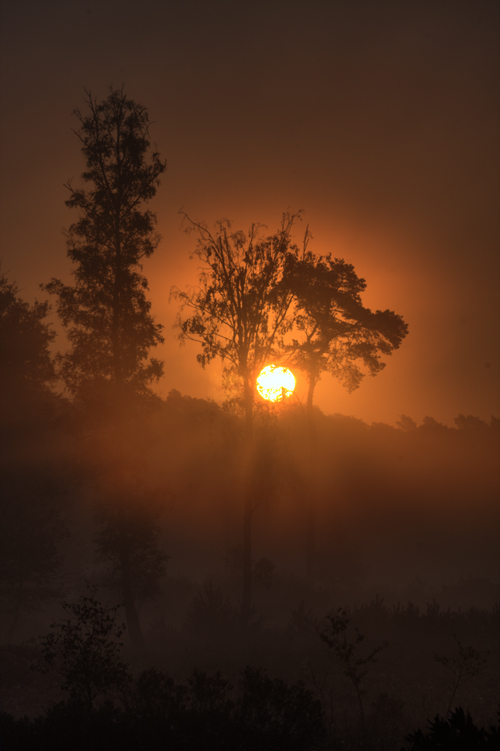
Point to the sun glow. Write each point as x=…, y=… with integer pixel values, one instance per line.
x=275, y=383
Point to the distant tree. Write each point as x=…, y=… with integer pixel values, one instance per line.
x=406, y=423
x=106, y=313
x=432, y=426
x=136, y=522
x=333, y=332
x=31, y=529
x=85, y=650
x=25, y=340
x=472, y=424
x=239, y=313
x=495, y=424
x=31, y=525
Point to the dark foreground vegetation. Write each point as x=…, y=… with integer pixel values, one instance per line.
x=374, y=677
x=264, y=714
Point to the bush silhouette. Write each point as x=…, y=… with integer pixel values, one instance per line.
x=458, y=733
x=273, y=712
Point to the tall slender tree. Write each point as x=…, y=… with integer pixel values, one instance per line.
x=239, y=313
x=105, y=312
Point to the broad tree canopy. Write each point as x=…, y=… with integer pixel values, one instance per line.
x=333, y=331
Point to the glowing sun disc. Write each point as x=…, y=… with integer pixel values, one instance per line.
x=274, y=383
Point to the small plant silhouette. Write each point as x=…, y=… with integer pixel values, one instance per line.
x=467, y=665
x=344, y=644
x=302, y=620
x=211, y=611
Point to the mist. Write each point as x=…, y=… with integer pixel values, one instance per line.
x=407, y=541
x=183, y=563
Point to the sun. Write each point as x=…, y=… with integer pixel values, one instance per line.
x=275, y=383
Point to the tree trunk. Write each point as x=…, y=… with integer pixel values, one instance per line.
x=311, y=485
x=247, y=554
x=248, y=503
x=311, y=537
x=131, y=615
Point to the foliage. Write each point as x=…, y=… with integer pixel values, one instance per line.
x=333, y=331
x=406, y=423
x=85, y=650
x=265, y=715
x=458, y=733
x=238, y=310
x=26, y=338
x=105, y=313
x=155, y=694
x=270, y=709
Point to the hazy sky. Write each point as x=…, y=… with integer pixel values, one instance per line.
x=379, y=119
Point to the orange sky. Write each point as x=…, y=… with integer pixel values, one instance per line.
x=380, y=120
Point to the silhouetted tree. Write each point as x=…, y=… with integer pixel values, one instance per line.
x=344, y=642
x=406, y=423
x=142, y=529
x=432, y=427
x=333, y=332
x=105, y=312
x=31, y=528
x=85, y=650
x=31, y=525
x=26, y=366
x=239, y=313
x=25, y=342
